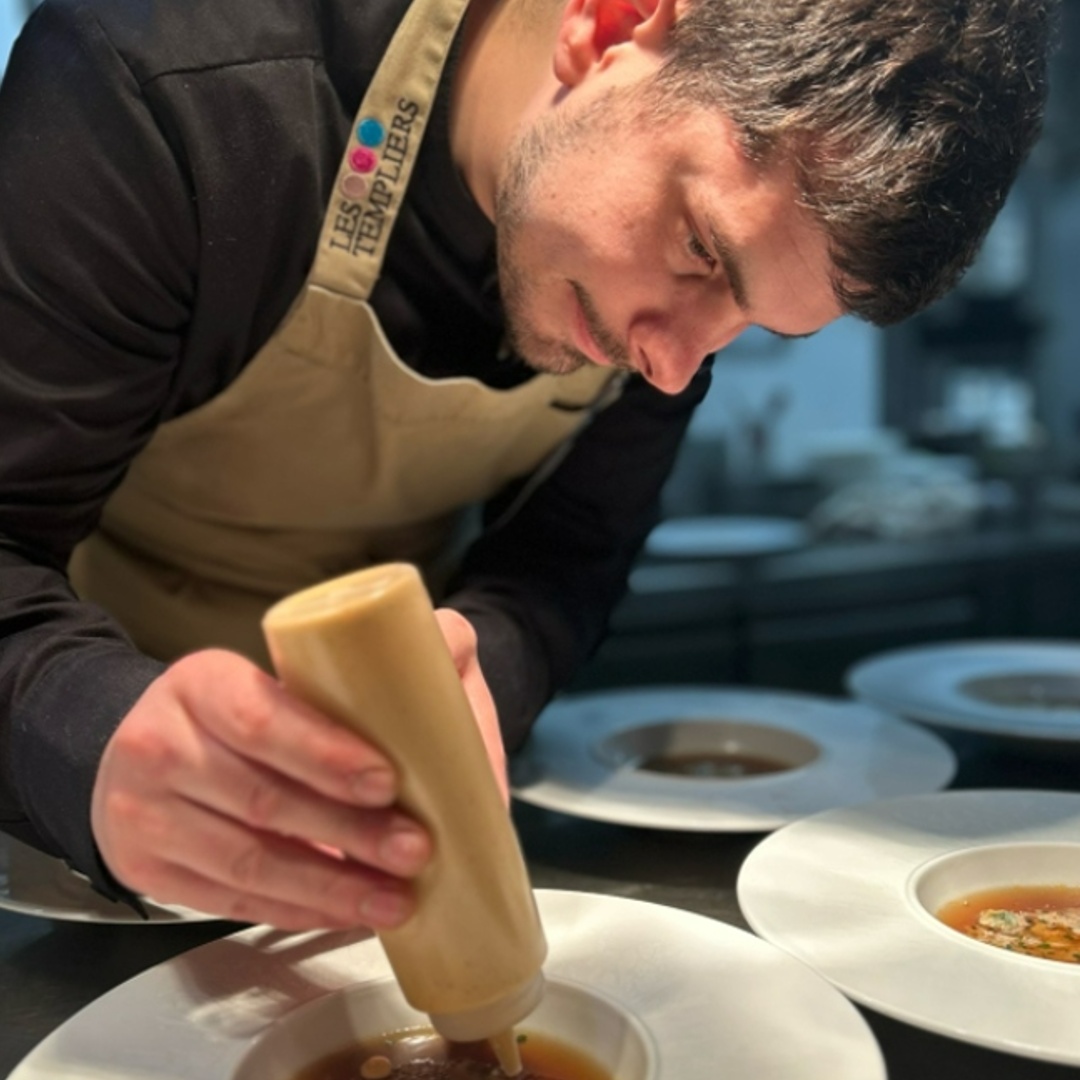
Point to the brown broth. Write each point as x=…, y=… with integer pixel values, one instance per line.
x=418, y=1054
x=1037, y=691
x=1061, y=945
x=712, y=765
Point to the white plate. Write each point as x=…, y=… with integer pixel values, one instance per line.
x=33, y=883
x=939, y=685
x=841, y=891
x=725, y=537
x=580, y=758
x=711, y=1000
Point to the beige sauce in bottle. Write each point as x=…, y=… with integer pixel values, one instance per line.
x=367, y=650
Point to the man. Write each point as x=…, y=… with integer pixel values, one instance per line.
x=256, y=331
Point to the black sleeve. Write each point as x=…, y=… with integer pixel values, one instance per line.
x=97, y=240
x=540, y=588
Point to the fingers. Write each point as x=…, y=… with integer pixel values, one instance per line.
x=461, y=640
x=220, y=792
x=253, y=795
x=190, y=890
x=259, y=878
x=253, y=715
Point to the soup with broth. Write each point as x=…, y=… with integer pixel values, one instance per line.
x=1033, y=920
x=712, y=765
x=420, y=1054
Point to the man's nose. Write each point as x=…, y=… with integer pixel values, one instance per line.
x=668, y=349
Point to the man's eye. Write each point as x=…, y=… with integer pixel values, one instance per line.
x=700, y=251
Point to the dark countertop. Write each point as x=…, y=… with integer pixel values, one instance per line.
x=50, y=969
x=800, y=619
x=675, y=590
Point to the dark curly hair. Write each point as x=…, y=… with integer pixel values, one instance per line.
x=907, y=121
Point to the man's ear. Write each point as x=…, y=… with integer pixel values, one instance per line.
x=589, y=29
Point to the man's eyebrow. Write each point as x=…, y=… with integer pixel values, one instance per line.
x=732, y=268
x=733, y=271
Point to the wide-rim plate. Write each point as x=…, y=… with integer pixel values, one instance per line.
x=926, y=683
x=33, y=883
x=865, y=755
x=833, y=890
x=688, y=980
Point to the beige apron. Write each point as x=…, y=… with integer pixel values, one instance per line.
x=327, y=453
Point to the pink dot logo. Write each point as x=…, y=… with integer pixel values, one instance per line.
x=363, y=160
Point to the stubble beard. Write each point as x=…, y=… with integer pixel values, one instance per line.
x=542, y=146
x=540, y=351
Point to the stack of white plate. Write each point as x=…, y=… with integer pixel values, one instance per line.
x=724, y=536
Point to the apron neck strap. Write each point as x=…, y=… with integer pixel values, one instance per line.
x=382, y=149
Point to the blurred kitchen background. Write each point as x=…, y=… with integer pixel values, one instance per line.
x=12, y=13
x=929, y=474
x=867, y=489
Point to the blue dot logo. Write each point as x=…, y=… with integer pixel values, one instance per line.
x=370, y=132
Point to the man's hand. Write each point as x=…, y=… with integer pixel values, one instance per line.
x=221, y=792
x=461, y=638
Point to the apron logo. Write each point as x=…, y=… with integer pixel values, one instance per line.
x=358, y=223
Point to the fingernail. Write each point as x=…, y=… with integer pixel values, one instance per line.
x=385, y=909
x=375, y=787
x=404, y=851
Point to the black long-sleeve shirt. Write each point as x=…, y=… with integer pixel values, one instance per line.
x=164, y=169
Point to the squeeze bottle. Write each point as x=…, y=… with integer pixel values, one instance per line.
x=366, y=649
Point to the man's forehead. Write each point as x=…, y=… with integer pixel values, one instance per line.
x=774, y=251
